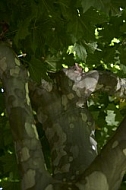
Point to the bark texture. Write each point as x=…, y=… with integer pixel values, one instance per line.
x=68, y=125
x=27, y=145
x=61, y=108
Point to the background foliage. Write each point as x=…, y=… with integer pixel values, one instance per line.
x=57, y=33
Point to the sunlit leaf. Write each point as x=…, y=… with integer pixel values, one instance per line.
x=81, y=52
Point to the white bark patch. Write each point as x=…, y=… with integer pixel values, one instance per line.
x=15, y=71
x=70, y=159
x=89, y=124
x=27, y=93
x=61, y=153
x=35, y=131
x=49, y=187
x=69, y=188
x=124, y=151
x=30, y=143
x=93, y=144
x=79, y=78
x=65, y=168
x=41, y=117
x=59, y=131
x=75, y=88
x=28, y=73
x=123, y=86
x=49, y=133
x=3, y=65
x=120, y=87
x=59, y=144
x=72, y=74
x=84, y=117
x=70, y=83
x=17, y=62
x=88, y=83
x=71, y=125
x=56, y=128
x=29, y=179
x=70, y=96
x=25, y=154
x=64, y=179
x=99, y=86
x=46, y=85
x=31, y=130
x=118, y=84
x=115, y=144
x=80, y=103
x=72, y=177
x=96, y=180
x=64, y=101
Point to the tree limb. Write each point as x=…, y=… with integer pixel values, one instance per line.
x=109, y=167
x=27, y=145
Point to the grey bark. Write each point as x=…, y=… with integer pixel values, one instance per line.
x=69, y=127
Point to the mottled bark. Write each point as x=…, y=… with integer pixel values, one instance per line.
x=69, y=127
x=27, y=145
x=108, y=169
x=65, y=99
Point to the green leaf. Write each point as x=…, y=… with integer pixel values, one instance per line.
x=9, y=161
x=7, y=137
x=86, y=4
x=76, y=28
x=116, y=5
x=10, y=185
x=92, y=17
x=81, y=52
x=37, y=69
x=123, y=68
x=52, y=61
x=123, y=28
x=92, y=47
x=98, y=4
x=110, y=118
x=23, y=30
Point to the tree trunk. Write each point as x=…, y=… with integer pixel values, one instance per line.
x=27, y=145
x=69, y=127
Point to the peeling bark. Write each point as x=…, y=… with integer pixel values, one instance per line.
x=64, y=100
x=69, y=127
x=27, y=145
x=108, y=169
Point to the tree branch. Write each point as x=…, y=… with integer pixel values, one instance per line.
x=89, y=82
x=65, y=99
x=27, y=145
x=68, y=125
x=109, y=166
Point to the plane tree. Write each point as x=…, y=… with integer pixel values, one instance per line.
x=63, y=88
